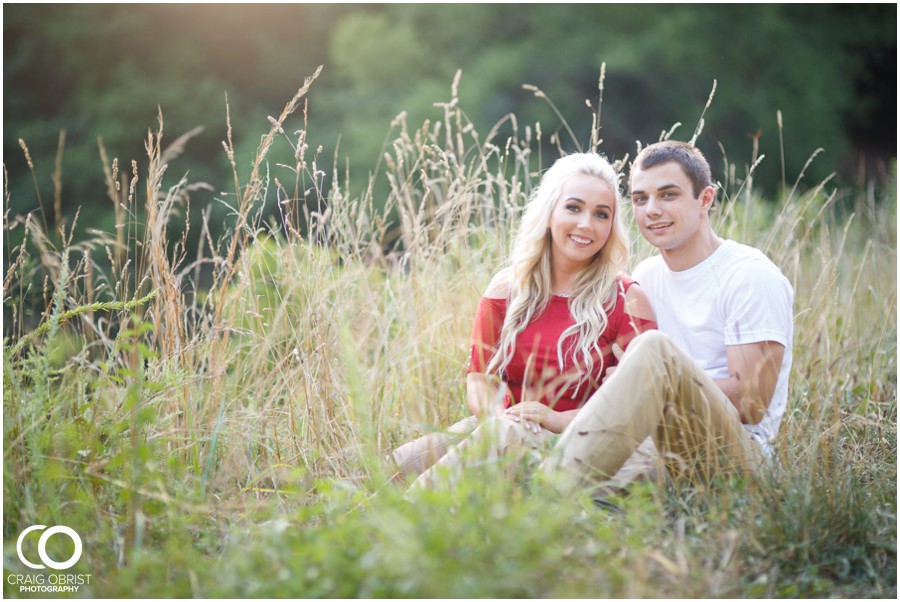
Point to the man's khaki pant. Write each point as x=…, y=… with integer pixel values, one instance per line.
x=656, y=391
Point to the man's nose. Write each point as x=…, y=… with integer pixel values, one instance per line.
x=653, y=207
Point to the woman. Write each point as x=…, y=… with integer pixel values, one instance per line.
x=547, y=324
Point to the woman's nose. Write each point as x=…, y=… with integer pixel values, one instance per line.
x=584, y=219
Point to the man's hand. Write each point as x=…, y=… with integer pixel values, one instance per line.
x=617, y=353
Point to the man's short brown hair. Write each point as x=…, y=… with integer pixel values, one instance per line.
x=689, y=157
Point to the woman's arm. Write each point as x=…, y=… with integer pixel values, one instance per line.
x=483, y=397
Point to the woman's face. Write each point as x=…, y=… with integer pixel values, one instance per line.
x=581, y=221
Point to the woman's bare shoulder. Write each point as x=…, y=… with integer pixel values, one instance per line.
x=500, y=285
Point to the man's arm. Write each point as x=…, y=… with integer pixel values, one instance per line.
x=753, y=374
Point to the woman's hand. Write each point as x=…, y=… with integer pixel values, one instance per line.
x=533, y=415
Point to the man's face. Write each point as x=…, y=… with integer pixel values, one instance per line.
x=668, y=214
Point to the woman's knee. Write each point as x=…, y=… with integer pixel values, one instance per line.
x=503, y=430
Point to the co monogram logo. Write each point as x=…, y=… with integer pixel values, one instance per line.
x=42, y=547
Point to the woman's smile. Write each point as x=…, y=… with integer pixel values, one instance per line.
x=579, y=240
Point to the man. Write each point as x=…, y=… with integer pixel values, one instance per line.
x=711, y=386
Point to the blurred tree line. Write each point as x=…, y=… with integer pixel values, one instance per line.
x=101, y=71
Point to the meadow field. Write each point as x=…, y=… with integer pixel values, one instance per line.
x=213, y=422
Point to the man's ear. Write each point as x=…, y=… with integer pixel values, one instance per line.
x=707, y=196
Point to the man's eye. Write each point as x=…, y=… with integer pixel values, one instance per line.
x=639, y=200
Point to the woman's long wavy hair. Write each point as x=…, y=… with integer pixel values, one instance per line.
x=594, y=290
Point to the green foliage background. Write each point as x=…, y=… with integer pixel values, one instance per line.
x=102, y=71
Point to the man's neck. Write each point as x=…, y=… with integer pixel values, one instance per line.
x=695, y=252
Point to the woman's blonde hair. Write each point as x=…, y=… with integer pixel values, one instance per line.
x=594, y=290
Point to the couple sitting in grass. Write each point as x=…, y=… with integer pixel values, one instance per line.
x=676, y=373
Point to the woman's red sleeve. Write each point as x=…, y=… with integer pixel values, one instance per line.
x=486, y=333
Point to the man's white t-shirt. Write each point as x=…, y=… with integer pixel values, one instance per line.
x=734, y=297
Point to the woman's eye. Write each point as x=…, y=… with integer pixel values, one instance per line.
x=572, y=207
x=601, y=215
